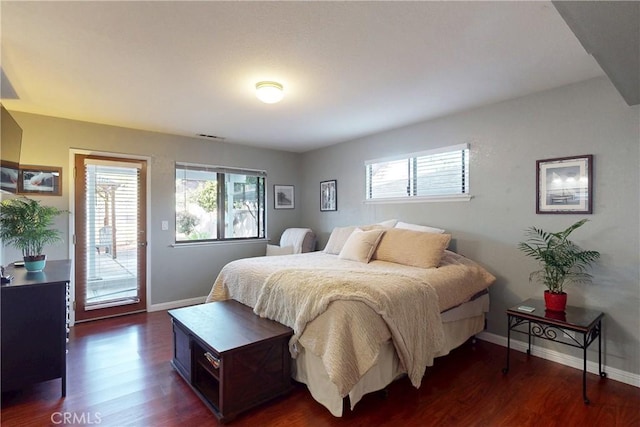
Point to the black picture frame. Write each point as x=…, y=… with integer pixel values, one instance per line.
x=329, y=195
x=283, y=197
x=40, y=180
x=564, y=185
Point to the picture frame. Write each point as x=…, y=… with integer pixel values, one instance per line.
x=564, y=185
x=283, y=197
x=9, y=173
x=329, y=195
x=40, y=180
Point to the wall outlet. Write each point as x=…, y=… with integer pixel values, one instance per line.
x=165, y=225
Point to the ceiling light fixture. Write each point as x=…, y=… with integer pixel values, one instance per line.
x=269, y=92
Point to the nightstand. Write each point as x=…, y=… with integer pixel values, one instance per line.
x=530, y=318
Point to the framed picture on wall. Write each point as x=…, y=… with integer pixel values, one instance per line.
x=565, y=185
x=41, y=180
x=283, y=197
x=9, y=177
x=329, y=195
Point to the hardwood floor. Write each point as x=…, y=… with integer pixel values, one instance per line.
x=119, y=375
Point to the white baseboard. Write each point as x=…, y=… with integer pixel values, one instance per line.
x=564, y=359
x=176, y=304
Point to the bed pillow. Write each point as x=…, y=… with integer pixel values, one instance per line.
x=390, y=223
x=279, y=250
x=416, y=227
x=361, y=245
x=410, y=247
x=338, y=238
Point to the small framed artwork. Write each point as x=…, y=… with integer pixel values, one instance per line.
x=565, y=185
x=329, y=195
x=283, y=197
x=41, y=180
x=9, y=173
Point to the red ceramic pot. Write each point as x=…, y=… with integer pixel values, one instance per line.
x=555, y=302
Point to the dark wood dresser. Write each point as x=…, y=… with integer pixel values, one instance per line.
x=34, y=325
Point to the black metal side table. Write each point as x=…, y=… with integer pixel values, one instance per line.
x=558, y=327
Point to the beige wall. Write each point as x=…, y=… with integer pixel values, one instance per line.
x=175, y=273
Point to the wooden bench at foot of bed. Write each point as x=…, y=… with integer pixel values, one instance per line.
x=231, y=358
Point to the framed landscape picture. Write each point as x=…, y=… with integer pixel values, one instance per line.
x=283, y=197
x=565, y=185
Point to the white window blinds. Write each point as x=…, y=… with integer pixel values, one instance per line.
x=433, y=174
x=112, y=220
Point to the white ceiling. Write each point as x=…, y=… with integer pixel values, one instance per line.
x=349, y=68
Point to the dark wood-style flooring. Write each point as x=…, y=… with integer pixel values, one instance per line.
x=119, y=375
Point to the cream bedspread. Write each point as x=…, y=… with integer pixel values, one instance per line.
x=345, y=330
x=409, y=308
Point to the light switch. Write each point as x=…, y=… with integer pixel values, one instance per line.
x=165, y=225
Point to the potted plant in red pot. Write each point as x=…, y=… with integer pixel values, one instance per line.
x=562, y=262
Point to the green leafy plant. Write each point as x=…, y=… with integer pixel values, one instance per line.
x=562, y=260
x=26, y=225
x=186, y=222
x=207, y=198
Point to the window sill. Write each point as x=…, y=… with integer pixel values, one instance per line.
x=433, y=199
x=218, y=242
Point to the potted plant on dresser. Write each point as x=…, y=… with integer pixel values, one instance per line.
x=27, y=225
x=562, y=262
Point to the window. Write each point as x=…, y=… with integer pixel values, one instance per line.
x=435, y=174
x=216, y=203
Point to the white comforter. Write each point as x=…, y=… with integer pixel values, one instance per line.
x=356, y=307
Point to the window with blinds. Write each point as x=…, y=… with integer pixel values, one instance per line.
x=428, y=175
x=219, y=203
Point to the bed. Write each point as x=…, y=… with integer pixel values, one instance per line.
x=376, y=304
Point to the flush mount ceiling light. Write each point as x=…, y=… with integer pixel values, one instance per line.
x=269, y=92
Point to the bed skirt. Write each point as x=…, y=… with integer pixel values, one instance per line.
x=460, y=324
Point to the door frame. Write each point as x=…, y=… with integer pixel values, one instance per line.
x=72, y=198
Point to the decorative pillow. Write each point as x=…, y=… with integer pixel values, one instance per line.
x=416, y=227
x=409, y=247
x=338, y=238
x=361, y=245
x=279, y=250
